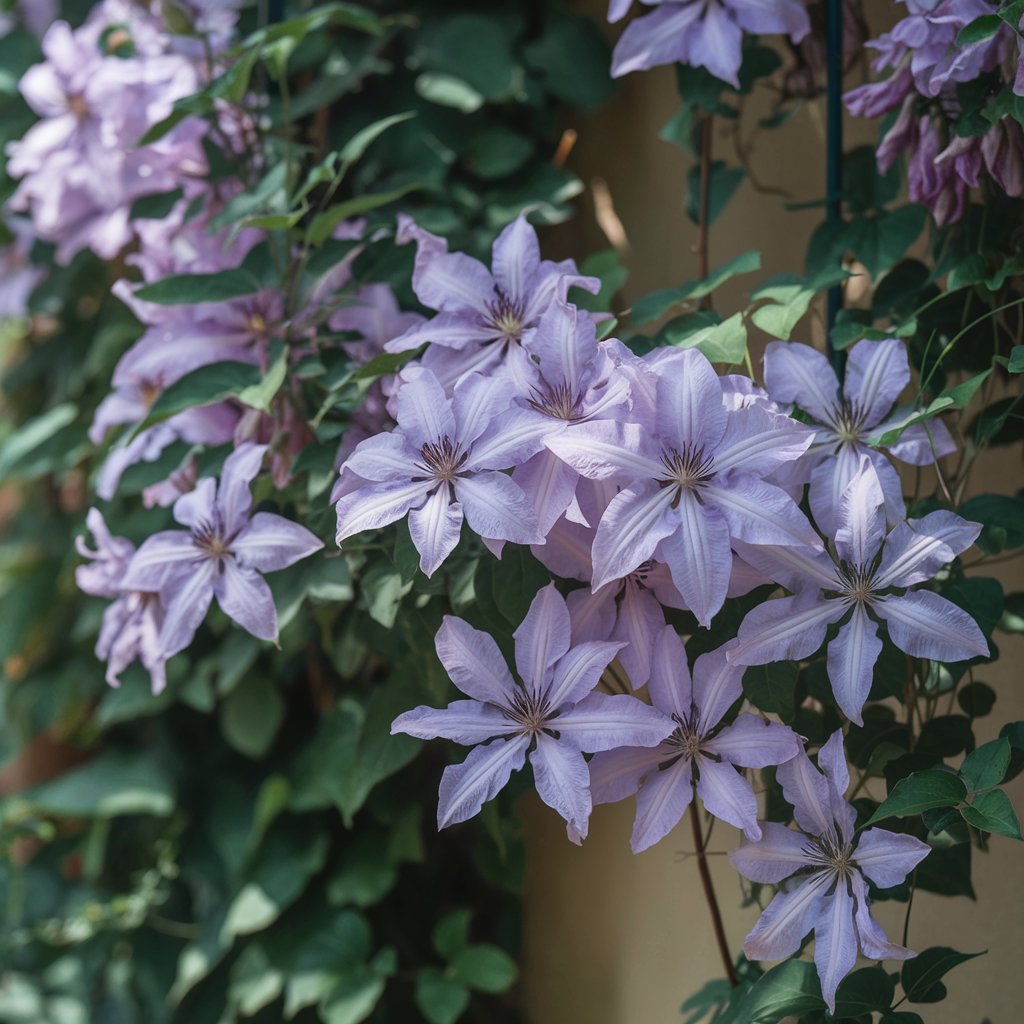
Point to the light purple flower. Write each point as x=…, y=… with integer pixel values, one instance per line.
x=483, y=315
x=552, y=714
x=18, y=275
x=823, y=870
x=864, y=571
x=222, y=554
x=693, y=481
x=702, y=33
x=442, y=464
x=849, y=419
x=700, y=754
x=131, y=624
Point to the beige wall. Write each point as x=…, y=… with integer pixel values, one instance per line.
x=613, y=938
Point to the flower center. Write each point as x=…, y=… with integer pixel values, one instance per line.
x=78, y=106
x=209, y=538
x=858, y=582
x=506, y=317
x=530, y=712
x=687, y=470
x=559, y=402
x=834, y=854
x=443, y=459
x=849, y=422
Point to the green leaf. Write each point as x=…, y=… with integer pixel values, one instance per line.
x=191, y=289
x=921, y=974
x=202, y=386
x=955, y=397
x=1016, y=361
x=449, y=91
x=17, y=449
x=475, y=48
x=976, y=699
x=357, y=146
x=787, y=297
x=112, y=784
x=920, y=792
x=790, y=989
x=772, y=688
x=979, y=30
x=1002, y=520
x=251, y=716
x=322, y=226
x=261, y=396
x=868, y=990
x=725, y=342
x=354, y=997
x=722, y=186
x=485, y=968
x=992, y=812
x=987, y=765
x=254, y=984
x=440, y=999
x=451, y=934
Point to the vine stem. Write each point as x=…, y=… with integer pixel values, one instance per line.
x=709, y=894
x=704, y=204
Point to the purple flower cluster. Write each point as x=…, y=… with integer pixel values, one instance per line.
x=923, y=65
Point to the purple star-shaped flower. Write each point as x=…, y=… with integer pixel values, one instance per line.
x=552, y=714
x=131, y=625
x=693, y=474
x=823, y=870
x=850, y=418
x=441, y=465
x=865, y=570
x=483, y=315
x=222, y=554
x=703, y=33
x=700, y=754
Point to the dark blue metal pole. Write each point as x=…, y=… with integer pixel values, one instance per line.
x=834, y=156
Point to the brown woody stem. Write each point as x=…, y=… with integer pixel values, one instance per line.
x=709, y=894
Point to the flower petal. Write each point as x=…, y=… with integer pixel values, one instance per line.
x=761, y=513
x=670, y=686
x=758, y=442
x=234, y=498
x=377, y=505
x=422, y=409
x=785, y=628
x=186, y=609
x=563, y=781
x=162, y=559
x=752, y=742
x=616, y=774
x=717, y=685
x=727, y=795
x=244, y=596
x=655, y=39
x=542, y=638
x=876, y=373
x=918, y=548
x=629, y=531
x=873, y=940
x=808, y=791
x=861, y=516
x=602, y=722
x=465, y=721
x=928, y=626
x=384, y=457
x=473, y=661
x=549, y=483
x=688, y=405
x=802, y=375
x=661, y=802
x=466, y=787
x=435, y=528
x=579, y=671
x=270, y=542
x=515, y=258
x=851, y=663
x=888, y=857
x=449, y=330
x=780, y=930
x=835, y=941
x=602, y=448
x=496, y=508
x=779, y=853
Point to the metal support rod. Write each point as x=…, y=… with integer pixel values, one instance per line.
x=834, y=154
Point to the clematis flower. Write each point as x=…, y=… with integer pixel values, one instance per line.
x=701, y=753
x=693, y=475
x=703, y=33
x=18, y=275
x=222, y=554
x=483, y=315
x=441, y=464
x=849, y=419
x=823, y=869
x=864, y=571
x=550, y=714
x=131, y=624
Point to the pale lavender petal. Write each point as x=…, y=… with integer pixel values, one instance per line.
x=377, y=505
x=187, y=608
x=602, y=722
x=616, y=774
x=752, y=742
x=244, y=596
x=384, y=457
x=270, y=542
x=802, y=375
x=670, y=686
x=515, y=258
x=688, y=406
x=779, y=853
x=717, y=685
x=832, y=761
x=542, y=638
x=727, y=795
x=698, y=555
x=639, y=622
x=920, y=444
x=198, y=505
x=629, y=531
x=928, y=626
x=835, y=941
x=861, y=516
x=851, y=663
x=466, y=787
x=918, y=548
x=795, y=568
x=888, y=857
x=422, y=409
x=476, y=401
x=435, y=528
x=873, y=941
x=758, y=441
x=579, y=671
x=593, y=615
x=808, y=791
x=780, y=930
x=764, y=17
x=465, y=721
x=234, y=498
x=473, y=661
x=655, y=39
x=497, y=508
x=617, y=9
x=760, y=513
x=785, y=628
x=563, y=781
x=550, y=484
x=604, y=448
x=876, y=374
x=452, y=282
x=513, y=438
x=660, y=803
x=717, y=44
x=448, y=330
x=161, y=559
